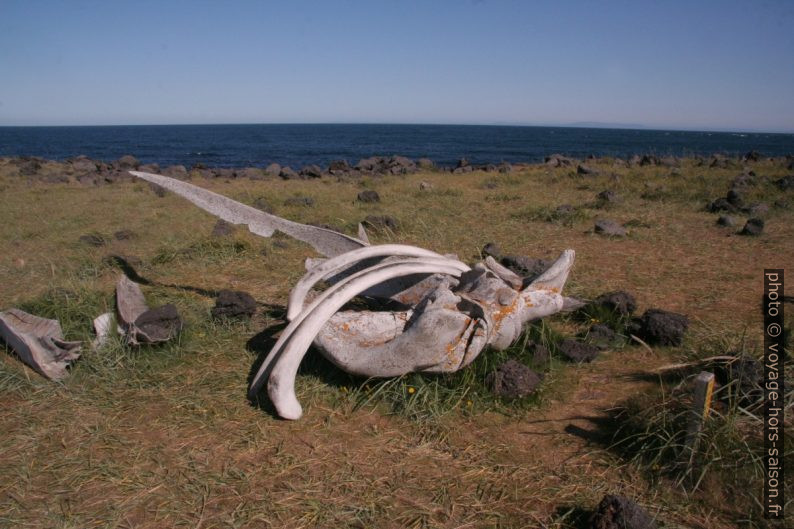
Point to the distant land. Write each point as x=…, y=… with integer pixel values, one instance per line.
x=603, y=125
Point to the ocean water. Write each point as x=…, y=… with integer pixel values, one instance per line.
x=298, y=145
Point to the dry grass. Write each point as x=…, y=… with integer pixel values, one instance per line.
x=164, y=437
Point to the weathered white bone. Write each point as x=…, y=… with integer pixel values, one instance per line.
x=362, y=233
x=311, y=262
x=395, y=269
x=38, y=342
x=291, y=346
x=373, y=344
x=327, y=242
x=539, y=299
x=555, y=277
x=344, y=261
x=571, y=304
x=130, y=303
x=437, y=337
x=504, y=273
x=103, y=325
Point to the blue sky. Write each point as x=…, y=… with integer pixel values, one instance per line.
x=720, y=65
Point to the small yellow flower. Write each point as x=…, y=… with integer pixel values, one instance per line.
x=468, y=403
x=344, y=389
x=411, y=390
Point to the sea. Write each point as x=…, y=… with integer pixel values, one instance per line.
x=299, y=145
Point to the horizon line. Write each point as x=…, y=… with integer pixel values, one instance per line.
x=575, y=125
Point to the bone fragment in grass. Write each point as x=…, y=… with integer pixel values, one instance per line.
x=641, y=342
x=102, y=328
x=38, y=342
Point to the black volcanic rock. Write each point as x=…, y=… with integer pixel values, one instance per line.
x=368, y=195
x=576, y=351
x=93, y=239
x=493, y=250
x=160, y=324
x=608, y=196
x=619, y=512
x=753, y=227
x=233, y=304
x=338, y=167
x=662, y=327
x=127, y=162
x=381, y=222
x=513, y=380
x=526, y=267
x=311, y=171
x=619, y=301
x=288, y=174
x=609, y=228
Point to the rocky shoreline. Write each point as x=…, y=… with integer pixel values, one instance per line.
x=84, y=170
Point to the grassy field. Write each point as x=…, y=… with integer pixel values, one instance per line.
x=165, y=436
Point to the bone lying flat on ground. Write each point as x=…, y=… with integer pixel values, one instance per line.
x=38, y=342
x=327, y=242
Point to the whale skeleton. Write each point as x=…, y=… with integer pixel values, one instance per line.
x=451, y=311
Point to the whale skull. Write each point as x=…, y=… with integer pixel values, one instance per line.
x=452, y=311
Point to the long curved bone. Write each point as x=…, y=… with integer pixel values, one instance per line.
x=291, y=346
x=328, y=242
x=346, y=260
